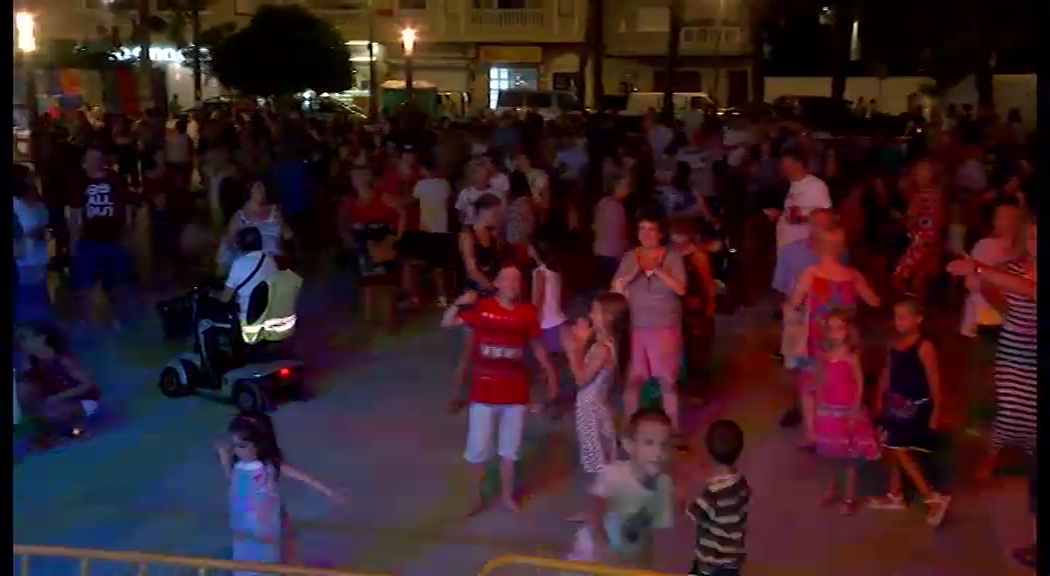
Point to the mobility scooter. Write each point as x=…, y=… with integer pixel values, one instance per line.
x=240, y=363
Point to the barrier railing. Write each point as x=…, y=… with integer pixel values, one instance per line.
x=562, y=566
x=144, y=561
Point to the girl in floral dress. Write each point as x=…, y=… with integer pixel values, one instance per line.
x=822, y=288
x=595, y=371
x=253, y=463
x=842, y=430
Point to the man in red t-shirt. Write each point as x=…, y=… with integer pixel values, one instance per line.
x=100, y=214
x=499, y=379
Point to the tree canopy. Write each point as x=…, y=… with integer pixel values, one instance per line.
x=283, y=50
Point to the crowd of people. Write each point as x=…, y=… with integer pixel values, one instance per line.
x=495, y=221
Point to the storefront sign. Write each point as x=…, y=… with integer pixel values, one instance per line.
x=510, y=54
x=156, y=54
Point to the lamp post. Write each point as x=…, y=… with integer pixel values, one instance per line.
x=408, y=45
x=25, y=27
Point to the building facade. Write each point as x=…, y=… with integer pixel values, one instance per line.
x=479, y=46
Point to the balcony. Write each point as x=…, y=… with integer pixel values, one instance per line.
x=706, y=40
x=494, y=20
x=695, y=41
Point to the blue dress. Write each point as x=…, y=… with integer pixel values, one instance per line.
x=907, y=406
x=255, y=514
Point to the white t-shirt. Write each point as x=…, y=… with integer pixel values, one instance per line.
x=433, y=195
x=31, y=217
x=632, y=509
x=469, y=195
x=241, y=268
x=659, y=137
x=737, y=142
x=808, y=194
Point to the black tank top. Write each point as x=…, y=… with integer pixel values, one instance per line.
x=487, y=258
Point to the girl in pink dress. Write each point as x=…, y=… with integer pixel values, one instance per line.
x=842, y=429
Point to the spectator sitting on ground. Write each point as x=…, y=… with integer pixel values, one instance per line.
x=56, y=390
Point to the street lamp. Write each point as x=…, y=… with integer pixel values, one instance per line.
x=25, y=27
x=408, y=44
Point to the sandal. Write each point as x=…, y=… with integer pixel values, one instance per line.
x=1025, y=556
x=888, y=502
x=937, y=507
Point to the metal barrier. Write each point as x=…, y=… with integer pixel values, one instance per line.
x=203, y=566
x=572, y=566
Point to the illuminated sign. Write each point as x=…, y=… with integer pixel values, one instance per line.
x=156, y=54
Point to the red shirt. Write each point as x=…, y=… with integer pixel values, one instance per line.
x=396, y=185
x=103, y=203
x=376, y=211
x=498, y=374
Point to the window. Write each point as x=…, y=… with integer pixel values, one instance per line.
x=508, y=4
x=652, y=20
x=499, y=79
x=412, y=4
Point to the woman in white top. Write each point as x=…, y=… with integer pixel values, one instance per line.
x=546, y=296
x=1003, y=245
x=258, y=212
x=32, y=300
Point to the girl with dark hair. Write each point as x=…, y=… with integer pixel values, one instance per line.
x=253, y=463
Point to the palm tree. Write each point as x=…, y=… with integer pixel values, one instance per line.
x=843, y=13
x=595, y=48
x=674, y=40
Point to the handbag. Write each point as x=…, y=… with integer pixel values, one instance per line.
x=794, y=338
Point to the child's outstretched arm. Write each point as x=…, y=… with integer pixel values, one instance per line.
x=296, y=474
x=225, y=457
x=928, y=357
x=596, y=521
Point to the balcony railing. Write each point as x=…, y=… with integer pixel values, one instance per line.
x=336, y=5
x=522, y=18
x=707, y=39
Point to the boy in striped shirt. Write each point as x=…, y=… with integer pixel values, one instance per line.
x=720, y=511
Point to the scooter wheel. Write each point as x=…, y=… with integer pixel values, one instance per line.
x=249, y=399
x=172, y=385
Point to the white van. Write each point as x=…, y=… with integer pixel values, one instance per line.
x=549, y=104
x=639, y=103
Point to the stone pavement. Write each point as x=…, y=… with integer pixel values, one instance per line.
x=378, y=432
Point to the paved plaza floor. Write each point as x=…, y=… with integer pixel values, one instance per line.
x=378, y=432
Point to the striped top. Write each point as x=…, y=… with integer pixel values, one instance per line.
x=720, y=513
x=1021, y=310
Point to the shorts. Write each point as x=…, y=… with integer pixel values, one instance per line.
x=105, y=262
x=506, y=421
x=433, y=248
x=792, y=259
x=655, y=353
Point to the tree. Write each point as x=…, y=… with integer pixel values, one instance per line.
x=143, y=24
x=283, y=50
x=674, y=41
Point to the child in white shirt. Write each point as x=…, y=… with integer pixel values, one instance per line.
x=631, y=498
